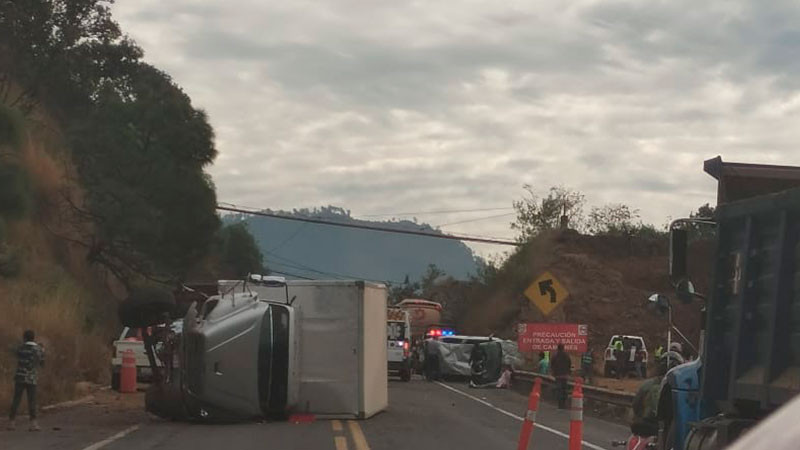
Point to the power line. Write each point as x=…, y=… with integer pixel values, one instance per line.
x=300, y=266
x=293, y=235
x=420, y=213
x=293, y=275
x=484, y=240
x=475, y=220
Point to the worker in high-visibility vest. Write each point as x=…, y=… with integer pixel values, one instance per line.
x=659, y=352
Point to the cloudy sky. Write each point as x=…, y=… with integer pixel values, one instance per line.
x=405, y=106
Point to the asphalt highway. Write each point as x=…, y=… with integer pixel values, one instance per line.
x=422, y=415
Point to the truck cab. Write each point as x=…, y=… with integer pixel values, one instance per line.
x=239, y=357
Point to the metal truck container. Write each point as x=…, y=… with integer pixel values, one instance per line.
x=753, y=331
x=422, y=313
x=342, y=359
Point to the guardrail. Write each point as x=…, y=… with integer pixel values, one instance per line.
x=593, y=392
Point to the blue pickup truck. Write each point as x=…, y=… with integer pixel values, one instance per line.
x=750, y=350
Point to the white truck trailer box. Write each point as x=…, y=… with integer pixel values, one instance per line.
x=342, y=346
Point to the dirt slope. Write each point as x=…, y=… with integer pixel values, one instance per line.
x=609, y=279
x=55, y=292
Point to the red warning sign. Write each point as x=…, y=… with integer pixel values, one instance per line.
x=542, y=337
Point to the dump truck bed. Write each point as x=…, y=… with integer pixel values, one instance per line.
x=753, y=329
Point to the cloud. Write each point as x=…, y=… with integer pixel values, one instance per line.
x=404, y=106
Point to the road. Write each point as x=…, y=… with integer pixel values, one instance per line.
x=421, y=415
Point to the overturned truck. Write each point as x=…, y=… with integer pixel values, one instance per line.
x=265, y=347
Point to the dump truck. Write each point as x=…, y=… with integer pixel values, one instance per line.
x=749, y=362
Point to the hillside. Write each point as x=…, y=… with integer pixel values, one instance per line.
x=609, y=279
x=321, y=251
x=103, y=186
x=46, y=283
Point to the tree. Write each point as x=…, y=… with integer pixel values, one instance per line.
x=398, y=293
x=63, y=51
x=15, y=191
x=140, y=155
x=535, y=214
x=239, y=251
x=703, y=231
x=429, y=278
x=139, y=146
x=613, y=218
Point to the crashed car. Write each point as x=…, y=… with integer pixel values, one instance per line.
x=231, y=361
x=454, y=356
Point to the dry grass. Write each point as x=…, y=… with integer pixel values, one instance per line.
x=50, y=302
x=57, y=294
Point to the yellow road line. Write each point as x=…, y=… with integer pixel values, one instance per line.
x=340, y=442
x=337, y=425
x=358, y=436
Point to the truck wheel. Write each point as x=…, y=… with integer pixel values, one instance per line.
x=146, y=306
x=405, y=374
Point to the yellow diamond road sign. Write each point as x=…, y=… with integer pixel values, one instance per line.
x=546, y=293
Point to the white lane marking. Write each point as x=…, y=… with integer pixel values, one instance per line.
x=118, y=436
x=69, y=404
x=514, y=416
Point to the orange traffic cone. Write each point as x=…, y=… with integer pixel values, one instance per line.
x=576, y=416
x=530, y=415
x=127, y=374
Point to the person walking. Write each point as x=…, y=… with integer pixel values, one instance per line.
x=562, y=367
x=30, y=356
x=620, y=358
x=639, y=364
x=544, y=364
x=587, y=360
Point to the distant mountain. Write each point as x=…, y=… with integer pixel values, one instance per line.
x=301, y=249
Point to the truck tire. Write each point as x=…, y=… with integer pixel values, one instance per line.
x=146, y=306
x=701, y=439
x=405, y=373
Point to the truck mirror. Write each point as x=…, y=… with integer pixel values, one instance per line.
x=678, y=242
x=684, y=289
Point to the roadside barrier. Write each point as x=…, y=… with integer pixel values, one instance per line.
x=576, y=416
x=127, y=373
x=530, y=415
